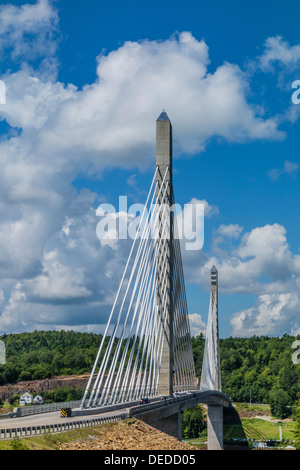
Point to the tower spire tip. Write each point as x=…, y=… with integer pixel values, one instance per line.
x=163, y=116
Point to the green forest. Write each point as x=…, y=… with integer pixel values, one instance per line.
x=253, y=369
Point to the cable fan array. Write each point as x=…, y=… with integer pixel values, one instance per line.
x=129, y=358
x=210, y=375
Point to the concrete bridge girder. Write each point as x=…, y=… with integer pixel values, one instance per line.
x=168, y=418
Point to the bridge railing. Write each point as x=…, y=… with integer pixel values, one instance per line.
x=164, y=402
x=29, y=431
x=37, y=409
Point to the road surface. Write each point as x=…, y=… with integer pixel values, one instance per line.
x=52, y=418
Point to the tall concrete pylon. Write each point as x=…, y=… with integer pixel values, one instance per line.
x=164, y=171
x=211, y=369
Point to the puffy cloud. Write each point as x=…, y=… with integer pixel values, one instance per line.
x=270, y=316
x=262, y=253
x=76, y=282
x=58, y=282
x=114, y=116
x=229, y=231
x=197, y=325
x=278, y=51
x=260, y=263
x=50, y=254
x=112, y=119
x=282, y=60
x=28, y=31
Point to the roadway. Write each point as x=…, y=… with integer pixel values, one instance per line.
x=52, y=418
x=183, y=401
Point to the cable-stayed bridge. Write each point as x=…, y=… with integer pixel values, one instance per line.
x=146, y=348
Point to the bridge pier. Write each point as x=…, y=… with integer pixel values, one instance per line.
x=215, y=427
x=170, y=425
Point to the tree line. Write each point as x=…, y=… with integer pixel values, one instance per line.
x=253, y=369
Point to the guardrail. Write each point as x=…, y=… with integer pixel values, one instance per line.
x=168, y=401
x=37, y=409
x=12, y=414
x=164, y=402
x=30, y=431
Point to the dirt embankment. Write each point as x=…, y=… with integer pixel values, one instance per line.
x=38, y=386
x=254, y=414
x=127, y=435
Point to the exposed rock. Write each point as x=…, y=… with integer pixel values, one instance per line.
x=131, y=435
x=38, y=386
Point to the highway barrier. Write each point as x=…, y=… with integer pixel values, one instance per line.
x=38, y=409
x=29, y=431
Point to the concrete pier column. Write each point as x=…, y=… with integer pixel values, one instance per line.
x=170, y=425
x=215, y=427
x=164, y=165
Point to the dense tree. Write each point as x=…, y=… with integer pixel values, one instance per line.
x=193, y=422
x=297, y=426
x=280, y=404
x=255, y=366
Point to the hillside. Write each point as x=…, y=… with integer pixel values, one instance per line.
x=256, y=365
x=126, y=435
x=130, y=435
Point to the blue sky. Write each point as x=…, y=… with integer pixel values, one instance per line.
x=85, y=82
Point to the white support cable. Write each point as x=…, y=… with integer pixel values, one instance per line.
x=146, y=301
x=114, y=305
x=134, y=342
x=145, y=327
x=143, y=284
x=141, y=270
x=178, y=319
x=156, y=333
x=176, y=309
x=184, y=350
x=186, y=363
x=130, y=386
x=148, y=336
x=141, y=336
x=161, y=287
x=100, y=377
x=148, y=329
x=144, y=376
x=134, y=370
x=107, y=389
x=160, y=319
x=161, y=344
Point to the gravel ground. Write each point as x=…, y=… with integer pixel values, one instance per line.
x=135, y=435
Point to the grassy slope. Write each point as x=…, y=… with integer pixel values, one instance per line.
x=51, y=441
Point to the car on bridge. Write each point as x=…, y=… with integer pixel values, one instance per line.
x=164, y=397
x=144, y=401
